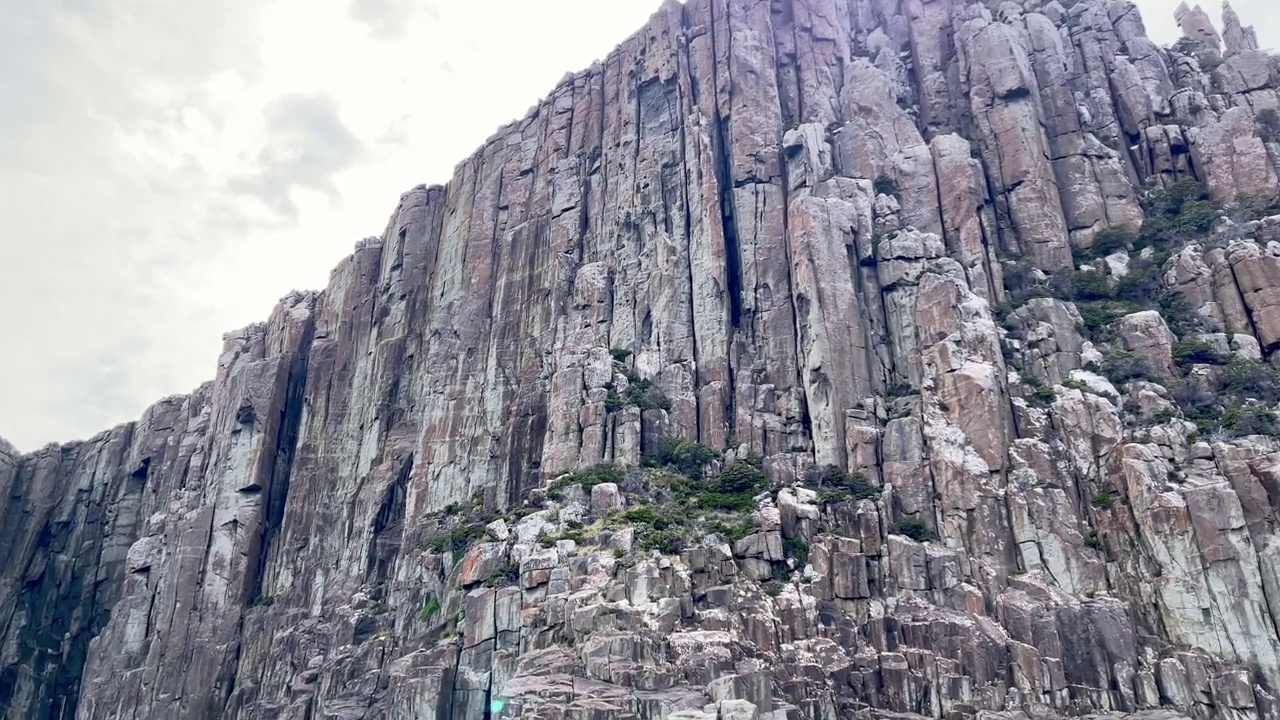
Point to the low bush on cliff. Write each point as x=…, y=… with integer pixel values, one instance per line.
x=668, y=542
x=504, y=576
x=1177, y=212
x=837, y=485
x=429, y=609
x=686, y=457
x=885, y=185
x=736, y=488
x=1090, y=285
x=1251, y=380
x=1112, y=238
x=1238, y=399
x=914, y=528
x=640, y=392
x=1098, y=316
x=1198, y=352
x=1122, y=366
x=457, y=540
x=1268, y=125
x=1041, y=395
x=1178, y=314
x=587, y=478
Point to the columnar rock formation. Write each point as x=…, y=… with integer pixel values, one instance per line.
x=790, y=221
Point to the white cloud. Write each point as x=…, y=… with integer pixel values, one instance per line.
x=168, y=170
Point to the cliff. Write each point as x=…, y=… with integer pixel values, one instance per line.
x=802, y=359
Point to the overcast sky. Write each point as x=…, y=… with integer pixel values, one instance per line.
x=168, y=170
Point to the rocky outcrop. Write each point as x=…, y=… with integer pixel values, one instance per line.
x=798, y=232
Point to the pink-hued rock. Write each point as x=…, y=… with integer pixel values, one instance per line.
x=781, y=229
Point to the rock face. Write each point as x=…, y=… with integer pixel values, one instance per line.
x=785, y=230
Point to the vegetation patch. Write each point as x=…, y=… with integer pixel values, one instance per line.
x=1090, y=285
x=1198, y=352
x=588, y=478
x=1122, y=366
x=1112, y=238
x=430, y=609
x=914, y=528
x=686, y=457
x=668, y=542
x=837, y=485
x=505, y=576
x=797, y=550
x=640, y=392
x=1240, y=401
x=1177, y=213
x=457, y=540
x=1268, y=124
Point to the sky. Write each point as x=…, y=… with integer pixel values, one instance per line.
x=169, y=170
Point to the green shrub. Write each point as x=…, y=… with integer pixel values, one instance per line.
x=1246, y=379
x=885, y=185
x=429, y=609
x=457, y=540
x=642, y=516
x=668, y=542
x=1112, y=238
x=588, y=478
x=1090, y=285
x=1198, y=216
x=741, y=477
x=1180, y=211
x=732, y=531
x=620, y=355
x=1197, y=352
x=836, y=485
x=504, y=576
x=613, y=402
x=1268, y=125
x=1243, y=419
x=1178, y=314
x=1097, y=316
x=685, y=456
x=1103, y=500
x=1186, y=47
x=1141, y=285
x=1121, y=367
x=797, y=550
x=646, y=396
x=913, y=528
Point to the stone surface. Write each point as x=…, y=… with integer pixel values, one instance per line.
x=784, y=230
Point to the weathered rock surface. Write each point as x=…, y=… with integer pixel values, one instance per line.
x=777, y=228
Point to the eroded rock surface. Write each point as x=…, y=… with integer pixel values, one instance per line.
x=795, y=231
